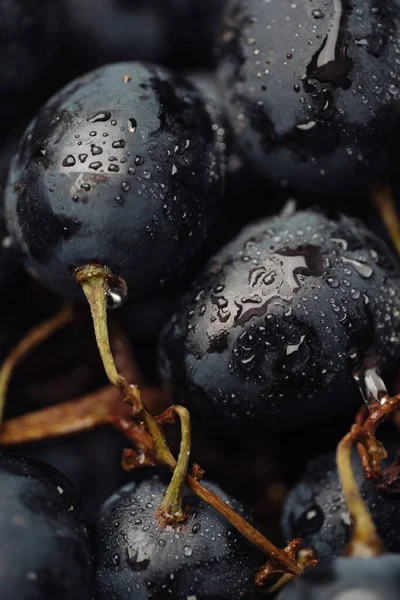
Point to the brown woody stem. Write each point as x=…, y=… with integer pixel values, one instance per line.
x=365, y=540
x=34, y=338
x=248, y=531
x=171, y=510
x=70, y=417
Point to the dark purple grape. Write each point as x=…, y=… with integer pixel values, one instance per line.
x=122, y=168
x=203, y=558
x=45, y=550
x=312, y=89
x=316, y=511
x=270, y=333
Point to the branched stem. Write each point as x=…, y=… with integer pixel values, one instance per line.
x=371, y=450
x=365, y=540
x=95, y=282
x=34, y=338
x=171, y=510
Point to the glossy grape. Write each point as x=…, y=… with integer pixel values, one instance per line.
x=122, y=168
x=204, y=557
x=312, y=89
x=272, y=330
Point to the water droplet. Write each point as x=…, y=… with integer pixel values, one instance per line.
x=100, y=117
x=132, y=125
x=370, y=384
x=116, y=559
x=116, y=296
x=333, y=282
x=82, y=157
x=125, y=186
x=119, y=144
x=113, y=168
x=290, y=348
x=95, y=165
x=86, y=187
x=139, y=160
x=362, y=268
x=119, y=200
x=69, y=161
x=95, y=150
x=317, y=14
x=187, y=551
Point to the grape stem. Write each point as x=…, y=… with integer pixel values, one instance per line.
x=70, y=417
x=370, y=449
x=33, y=338
x=80, y=414
x=382, y=198
x=96, y=283
x=365, y=540
x=171, y=511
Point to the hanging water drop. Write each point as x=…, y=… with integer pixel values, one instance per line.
x=117, y=293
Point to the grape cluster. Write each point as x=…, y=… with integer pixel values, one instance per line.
x=223, y=174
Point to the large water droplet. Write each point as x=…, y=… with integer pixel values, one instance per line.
x=95, y=150
x=371, y=386
x=362, y=268
x=69, y=161
x=132, y=125
x=100, y=117
x=117, y=294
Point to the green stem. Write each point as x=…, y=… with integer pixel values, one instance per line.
x=171, y=510
x=95, y=282
x=365, y=540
